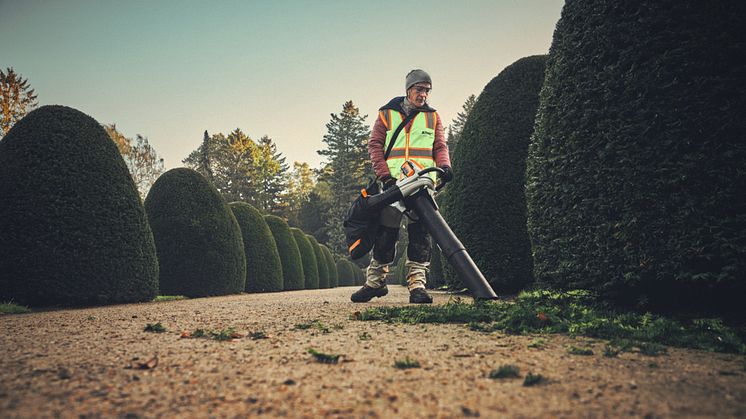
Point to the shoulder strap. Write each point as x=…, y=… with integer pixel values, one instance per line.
x=398, y=130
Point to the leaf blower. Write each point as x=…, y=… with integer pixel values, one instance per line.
x=412, y=193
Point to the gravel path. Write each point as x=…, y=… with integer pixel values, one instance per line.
x=98, y=362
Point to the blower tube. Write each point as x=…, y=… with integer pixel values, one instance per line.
x=426, y=209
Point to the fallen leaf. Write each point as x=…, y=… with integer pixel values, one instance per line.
x=149, y=364
x=186, y=334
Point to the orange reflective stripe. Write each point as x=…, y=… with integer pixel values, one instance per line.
x=364, y=193
x=354, y=245
x=429, y=120
x=382, y=115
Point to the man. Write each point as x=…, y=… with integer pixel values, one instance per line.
x=422, y=142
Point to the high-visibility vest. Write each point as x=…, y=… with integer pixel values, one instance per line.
x=415, y=144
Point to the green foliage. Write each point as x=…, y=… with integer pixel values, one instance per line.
x=533, y=379
x=406, y=363
x=12, y=308
x=321, y=262
x=200, y=249
x=73, y=226
x=346, y=271
x=505, y=371
x=537, y=343
x=308, y=258
x=263, y=265
x=487, y=205
x=292, y=265
x=574, y=350
x=572, y=312
x=324, y=358
x=17, y=99
x=331, y=266
x=155, y=328
x=347, y=153
x=635, y=179
x=161, y=298
x=436, y=278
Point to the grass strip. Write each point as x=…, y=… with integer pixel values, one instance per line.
x=574, y=313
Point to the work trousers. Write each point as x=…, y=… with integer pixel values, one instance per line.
x=417, y=262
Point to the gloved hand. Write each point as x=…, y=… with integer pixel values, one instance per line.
x=447, y=174
x=387, y=181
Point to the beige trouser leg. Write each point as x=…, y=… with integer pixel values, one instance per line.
x=375, y=275
x=416, y=274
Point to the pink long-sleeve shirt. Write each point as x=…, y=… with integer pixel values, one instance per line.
x=378, y=140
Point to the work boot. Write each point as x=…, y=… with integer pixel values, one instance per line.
x=366, y=293
x=419, y=296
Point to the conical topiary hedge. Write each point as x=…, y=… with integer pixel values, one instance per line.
x=345, y=272
x=199, y=244
x=636, y=169
x=320, y=262
x=308, y=259
x=487, y=192
x=331, y=266
x=292, y=264
x=263, y=265
x=72, y=224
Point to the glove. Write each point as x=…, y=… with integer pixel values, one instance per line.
x=447, y=174
x=387, y=181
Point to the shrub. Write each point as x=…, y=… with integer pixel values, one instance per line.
x=292, y=265
x=487, y=192
x=263, y=266
x=308, y=259
x=436, y=279
x=331, y=266
x=320, y=262
x=199, y=244
x=635, y=173
x=73, y=228
x=346, y=273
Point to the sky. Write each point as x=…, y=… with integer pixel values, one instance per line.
x=169, y=70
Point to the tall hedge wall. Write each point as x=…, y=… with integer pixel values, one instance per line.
x=487, y=193
x=72, y=224
x=331, y=266
x=308, y=259
x=292, y=265
x=636, y=173
x=263, y=265
x=320, y=262
x=199, y=243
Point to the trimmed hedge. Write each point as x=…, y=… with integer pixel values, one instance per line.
x=263, y=265
x=346, y=273
x=73, y=228
x=331, y=266
x=292, y=265
x=636, y=173
x=308, y=258
x=487, y=192
x=199, y=244
x=436, y=279
x=320, y=262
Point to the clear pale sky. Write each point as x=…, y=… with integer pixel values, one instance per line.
x=169, y=70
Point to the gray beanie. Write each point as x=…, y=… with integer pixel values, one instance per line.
x=417, y=76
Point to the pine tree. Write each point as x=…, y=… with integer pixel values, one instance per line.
x=17, y=98
x=230, y=164
x=346, y=140
x=457, y=127
x=204, y=164
x=270, y=176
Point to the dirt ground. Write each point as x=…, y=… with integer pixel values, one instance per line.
x=98, y=362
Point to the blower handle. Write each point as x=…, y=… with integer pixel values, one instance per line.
x=433, y=169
